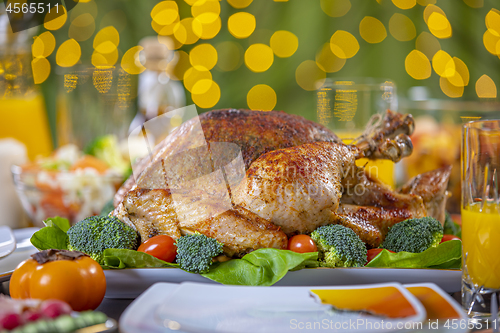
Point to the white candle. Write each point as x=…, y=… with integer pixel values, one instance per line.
x=12, y=152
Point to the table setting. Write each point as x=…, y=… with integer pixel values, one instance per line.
x=248, y=166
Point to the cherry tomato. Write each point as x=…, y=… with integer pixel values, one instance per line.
x=161, y=246
x=448, y=238
x=372, y=253
x=302, y=244
x=80, y=283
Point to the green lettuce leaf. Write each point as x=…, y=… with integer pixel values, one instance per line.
x=124, y=258
x=53, y=235
x=262, y=267
x=445, y=255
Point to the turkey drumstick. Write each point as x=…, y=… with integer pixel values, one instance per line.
x=387, y=137
x=304, y=187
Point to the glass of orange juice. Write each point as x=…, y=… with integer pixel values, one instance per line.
x=22, y=107
x=481, y=219
x=345, y=106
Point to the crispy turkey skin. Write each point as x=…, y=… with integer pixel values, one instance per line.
x=255, y=132
x=297, y=176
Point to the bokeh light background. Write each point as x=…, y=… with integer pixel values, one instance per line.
x=264, y=54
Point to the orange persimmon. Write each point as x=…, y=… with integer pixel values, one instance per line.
x=78, y=281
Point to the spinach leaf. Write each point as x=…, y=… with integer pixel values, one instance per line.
x=124, y=258
x=53, y=236
x=445, y=255
x=262, y=267
x=56, y=221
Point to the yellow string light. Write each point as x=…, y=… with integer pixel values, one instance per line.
x=327, y=61
x=344, y=44
x=41, y=69
x=449, y=89
x=206, y=93
x=402, y=28
x=259, y=57
x=68, y=53
x=309, y=76
x=417, y=65
x=241, y=25
x=372, y=30
x=130, y=61
x=485, y=87
x=43, y=45
x=261, y=97
x=284, y=43
x=335, y=8
x=404, y=4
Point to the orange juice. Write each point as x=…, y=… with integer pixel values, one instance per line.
x=26, y=121
x=380, y=169
x=481, y=244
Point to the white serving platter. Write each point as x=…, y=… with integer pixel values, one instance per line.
x=130, y=283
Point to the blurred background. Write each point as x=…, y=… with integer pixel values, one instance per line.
x=106, y=66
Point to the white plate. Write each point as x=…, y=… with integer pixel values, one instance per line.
x=7, y=241
x=130, y=283
x=193, y=307
x=440, y=315
x=23, y=251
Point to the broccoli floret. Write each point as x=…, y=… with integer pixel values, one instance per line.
x=96, y=233
x=106, y=149
x=450, y=227
x=414, y=235
x=195, y=252
x=339, y=246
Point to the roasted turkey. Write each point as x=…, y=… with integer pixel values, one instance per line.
x=252, y=178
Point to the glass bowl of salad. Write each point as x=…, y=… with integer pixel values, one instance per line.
x=69, y=184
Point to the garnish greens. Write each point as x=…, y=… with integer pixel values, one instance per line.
x=262, y=267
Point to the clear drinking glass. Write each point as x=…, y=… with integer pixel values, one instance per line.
x=94, y=101
x=346, y=106
x=481, y=219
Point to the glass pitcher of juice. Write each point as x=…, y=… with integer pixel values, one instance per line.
x=22, y=108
